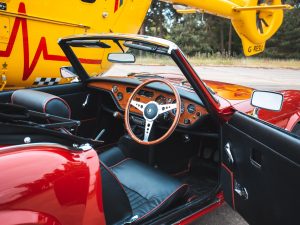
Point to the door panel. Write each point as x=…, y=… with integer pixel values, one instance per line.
x=75, y=94
x=263, y=180
x=87, y=106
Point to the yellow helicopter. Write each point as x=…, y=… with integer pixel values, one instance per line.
x=29, y=30
x=255, y=21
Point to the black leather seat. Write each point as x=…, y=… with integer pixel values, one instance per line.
x=133, y=190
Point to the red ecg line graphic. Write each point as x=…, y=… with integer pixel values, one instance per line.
x=41, y=50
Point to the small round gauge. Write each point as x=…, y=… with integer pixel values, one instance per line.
x=191, y=108
x=161, y=100
x=181, y=110
x=120, y=96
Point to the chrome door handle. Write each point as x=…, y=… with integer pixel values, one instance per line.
x=87, y=98
x=241, y=191
x=228, y=152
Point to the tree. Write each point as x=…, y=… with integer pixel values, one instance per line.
x=193, y=35
x=159, y=19
x=286, y=42
x=211, y=34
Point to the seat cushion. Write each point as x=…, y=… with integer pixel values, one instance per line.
x=149, y=191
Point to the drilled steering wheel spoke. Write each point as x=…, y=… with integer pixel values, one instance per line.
x=148, y=128
x=165, y=108
x=151, y=111
x=139, y=105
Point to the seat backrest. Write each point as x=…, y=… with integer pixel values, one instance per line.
x=116, y=204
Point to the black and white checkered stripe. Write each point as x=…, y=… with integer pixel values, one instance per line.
x=41, y=81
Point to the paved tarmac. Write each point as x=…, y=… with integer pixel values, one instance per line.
x=224, y=215
x=258, y=78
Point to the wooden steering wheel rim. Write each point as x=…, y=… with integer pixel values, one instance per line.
x=175, y=121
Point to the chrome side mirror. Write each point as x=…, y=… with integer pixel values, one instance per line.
x=267, y=100
x=67, y=72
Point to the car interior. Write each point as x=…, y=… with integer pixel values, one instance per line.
x=149, y=180
x=157, y=143
x=158, y=139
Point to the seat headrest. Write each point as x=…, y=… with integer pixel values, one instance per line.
x=41, y=102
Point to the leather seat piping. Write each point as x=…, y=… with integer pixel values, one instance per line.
x=45, y=103
x=48, y=100
x=153, y=210
x=108, y=169
x=118, y=163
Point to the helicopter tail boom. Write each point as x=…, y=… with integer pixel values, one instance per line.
x=255, y=21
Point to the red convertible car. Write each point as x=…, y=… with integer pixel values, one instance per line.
x=143, y=149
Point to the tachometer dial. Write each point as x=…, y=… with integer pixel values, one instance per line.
x=161, y=100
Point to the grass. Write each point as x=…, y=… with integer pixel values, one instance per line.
x=225, y=61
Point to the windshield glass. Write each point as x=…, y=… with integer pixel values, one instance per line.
x=233, y=84
x=147, y=63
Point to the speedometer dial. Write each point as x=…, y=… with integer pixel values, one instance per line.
x=181, y=110
x=191, y=108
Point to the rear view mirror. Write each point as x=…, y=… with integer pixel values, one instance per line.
x=67, y=72
x=267, y=100
x=184, y=9
x=121, y=58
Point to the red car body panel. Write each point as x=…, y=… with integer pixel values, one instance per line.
x=49, y=184
x=289, y=115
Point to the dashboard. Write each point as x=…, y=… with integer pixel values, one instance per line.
x=191, y=111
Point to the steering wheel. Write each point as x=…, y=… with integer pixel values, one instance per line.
x=151, y=111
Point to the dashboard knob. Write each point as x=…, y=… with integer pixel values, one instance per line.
x=118, y=115
x=115, y=89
